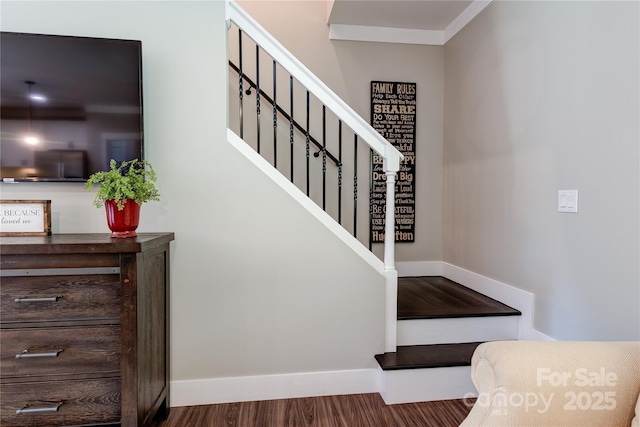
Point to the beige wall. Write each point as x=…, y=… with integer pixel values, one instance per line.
x=348, y=68
x=541, y=97
x=258, y=286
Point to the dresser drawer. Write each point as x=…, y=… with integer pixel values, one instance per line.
x=60, y=298
x=40, y=261
x=60, y=403
x=61, y=351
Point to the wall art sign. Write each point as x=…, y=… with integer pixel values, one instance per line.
x=393, y=115
x=25, y=217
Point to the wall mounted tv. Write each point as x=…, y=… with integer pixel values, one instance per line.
x=68, y=105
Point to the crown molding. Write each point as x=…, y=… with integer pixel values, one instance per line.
x=464, y=18
x=365, y=33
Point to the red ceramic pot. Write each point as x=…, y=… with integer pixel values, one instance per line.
x=122, y=223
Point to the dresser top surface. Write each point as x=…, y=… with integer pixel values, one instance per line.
x=81, y=243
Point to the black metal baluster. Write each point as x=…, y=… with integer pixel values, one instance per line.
x=258, y=97
x=355, y=185
x=240, y=82
x=309, y=139
x=339, y=171
x=275, y=120
x=307, y=142
x=278, y=110
x=324, y=158
x=291, y=125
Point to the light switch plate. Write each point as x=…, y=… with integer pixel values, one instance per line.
x=568, y=201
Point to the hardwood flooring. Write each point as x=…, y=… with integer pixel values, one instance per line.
x=357, y=410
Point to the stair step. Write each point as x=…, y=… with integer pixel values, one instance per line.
x=433, y=313
x=461, y=329
x=428, y=356
x=432, y=297
x=426, y=385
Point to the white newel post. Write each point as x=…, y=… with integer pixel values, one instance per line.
x=390, y=223
x=391, y=311
x=391, y=167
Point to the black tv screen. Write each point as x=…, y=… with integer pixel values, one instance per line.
x=68, y=105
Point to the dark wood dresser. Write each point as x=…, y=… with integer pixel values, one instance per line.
x=84, y=330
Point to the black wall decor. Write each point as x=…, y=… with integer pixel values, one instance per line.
x=393, y=114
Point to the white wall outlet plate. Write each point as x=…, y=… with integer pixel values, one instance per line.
x=568, y=201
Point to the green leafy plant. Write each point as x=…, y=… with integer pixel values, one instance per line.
x=133, y=180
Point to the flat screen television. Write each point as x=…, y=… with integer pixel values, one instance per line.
x=68, y=105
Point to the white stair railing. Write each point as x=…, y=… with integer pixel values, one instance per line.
x=391, y=156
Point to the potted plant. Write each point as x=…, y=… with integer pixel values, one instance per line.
x=123, y=188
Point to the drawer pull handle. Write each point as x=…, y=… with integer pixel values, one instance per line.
x=25, y=354
x=48, y=299
x=35, y=410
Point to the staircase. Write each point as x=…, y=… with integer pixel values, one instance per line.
x=319, y=150
x=440, y=323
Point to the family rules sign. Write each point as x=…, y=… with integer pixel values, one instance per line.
x=393, y=115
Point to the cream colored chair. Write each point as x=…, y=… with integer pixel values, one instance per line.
x=556, y=383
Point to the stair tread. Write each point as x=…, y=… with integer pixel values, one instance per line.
x=432, y=297
x=428, y=356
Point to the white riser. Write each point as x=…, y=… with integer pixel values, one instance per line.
x=457, y=330
x=423, y=385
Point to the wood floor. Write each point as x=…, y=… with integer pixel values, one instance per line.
x=357, y=410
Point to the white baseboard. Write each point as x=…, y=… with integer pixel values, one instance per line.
x=419, y=268
x=269, y=387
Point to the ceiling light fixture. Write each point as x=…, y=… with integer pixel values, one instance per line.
x=37, y=97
